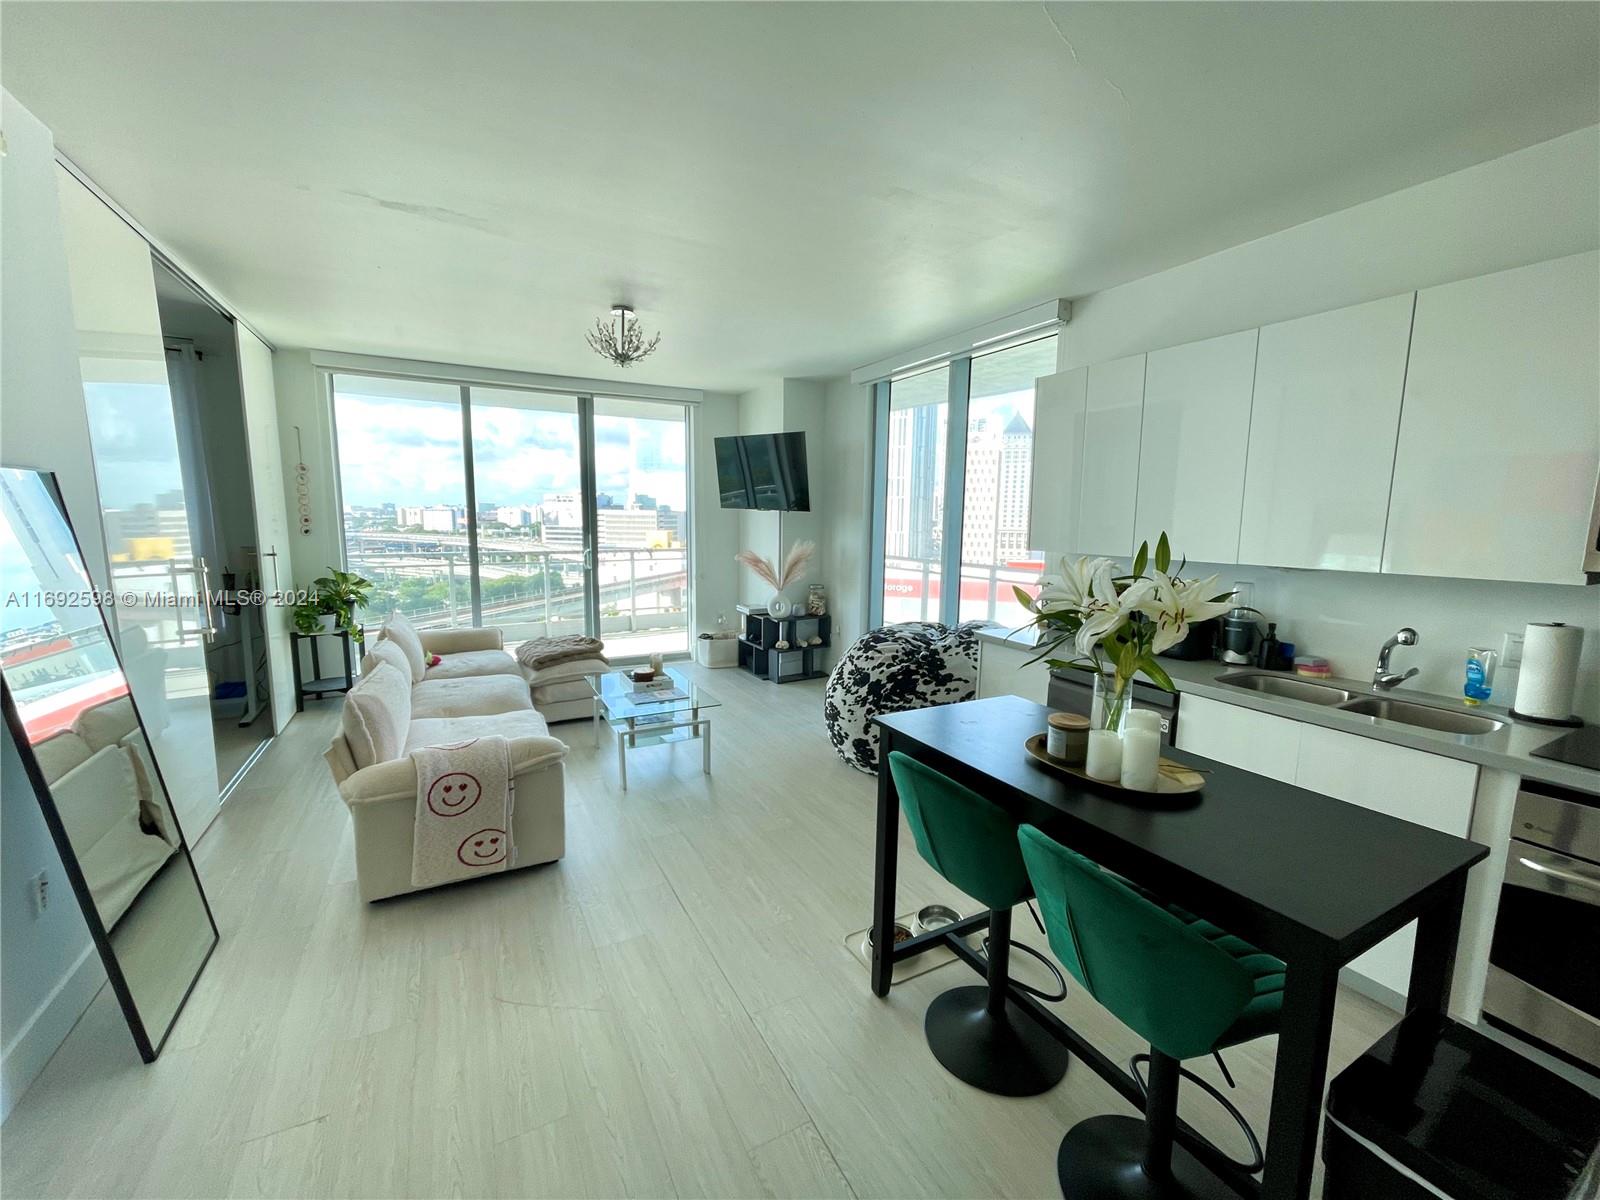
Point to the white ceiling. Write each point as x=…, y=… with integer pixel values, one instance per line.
x=779, y=188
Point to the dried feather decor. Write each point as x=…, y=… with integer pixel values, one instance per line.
x=794, y=565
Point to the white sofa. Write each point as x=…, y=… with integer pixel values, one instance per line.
x=106, y=792
x=402, y=703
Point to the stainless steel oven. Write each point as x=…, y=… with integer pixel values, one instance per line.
x=1544, y=961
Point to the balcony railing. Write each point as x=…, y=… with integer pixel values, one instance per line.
x=913, y=590
x=537, y=592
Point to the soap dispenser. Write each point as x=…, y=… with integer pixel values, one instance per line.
x=1269, y=654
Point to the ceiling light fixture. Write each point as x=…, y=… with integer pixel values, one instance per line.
x=624, y=343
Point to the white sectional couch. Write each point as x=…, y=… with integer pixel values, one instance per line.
x=402, y=703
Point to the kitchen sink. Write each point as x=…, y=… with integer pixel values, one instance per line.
x=1290, y=689
x=1423, y=716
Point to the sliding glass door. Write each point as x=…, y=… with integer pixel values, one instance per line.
x=403, y=480
x=954, y=478
x=543, y=513
x=995, y=557
x=913, y=496
x=533, y=575
x=642, y=525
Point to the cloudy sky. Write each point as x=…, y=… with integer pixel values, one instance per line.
x=408, y=451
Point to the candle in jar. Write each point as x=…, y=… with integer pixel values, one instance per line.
x=1104, y=759
x=1141, y=756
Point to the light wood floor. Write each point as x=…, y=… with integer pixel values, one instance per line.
x=668, y=1011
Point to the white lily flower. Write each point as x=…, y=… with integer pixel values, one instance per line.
x=1174, y=605
x=1104, y=610
x=1070, y=590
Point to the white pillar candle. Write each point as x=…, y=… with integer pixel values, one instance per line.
x=1104, y=760
x=1141, y=755
x=1142, y=718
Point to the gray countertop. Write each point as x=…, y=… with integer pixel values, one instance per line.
x=1508, y=749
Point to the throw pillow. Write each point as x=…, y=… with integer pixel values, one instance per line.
x=400, y=631
x=383, y=650
x=376, y=714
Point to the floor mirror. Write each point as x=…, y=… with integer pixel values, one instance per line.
x=83, y=744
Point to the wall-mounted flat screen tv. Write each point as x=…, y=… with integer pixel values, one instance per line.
x=765, y=471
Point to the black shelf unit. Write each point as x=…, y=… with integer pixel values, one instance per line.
x=761, y=633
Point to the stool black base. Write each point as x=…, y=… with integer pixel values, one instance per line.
x=1009, y=1055
x=1103, y=1158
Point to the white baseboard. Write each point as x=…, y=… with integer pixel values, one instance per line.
x=48, y=1027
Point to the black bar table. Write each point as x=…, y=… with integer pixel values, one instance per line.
x=1310, y=879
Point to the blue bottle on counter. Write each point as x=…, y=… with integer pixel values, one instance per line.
x=1480, y=675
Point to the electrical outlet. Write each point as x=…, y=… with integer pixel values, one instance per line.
x=39, y=887
x=1511, y=651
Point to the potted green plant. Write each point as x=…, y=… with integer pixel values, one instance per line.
x=335, y=597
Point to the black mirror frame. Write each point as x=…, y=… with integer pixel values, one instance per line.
x=149, y=1050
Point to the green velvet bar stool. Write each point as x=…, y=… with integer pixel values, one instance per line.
x=978, y=1034
x=1182, y=984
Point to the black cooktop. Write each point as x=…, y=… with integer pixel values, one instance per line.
x=1581, y=748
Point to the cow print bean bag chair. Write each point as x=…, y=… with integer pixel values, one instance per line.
x=915, y=665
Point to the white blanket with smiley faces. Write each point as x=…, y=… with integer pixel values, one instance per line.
x=464, y=805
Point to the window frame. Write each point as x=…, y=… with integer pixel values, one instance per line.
x=465, y=380
x=958, y=412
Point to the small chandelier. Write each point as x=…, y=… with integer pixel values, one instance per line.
x=624, y=344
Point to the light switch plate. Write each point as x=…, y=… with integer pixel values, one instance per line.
x=1511, y=651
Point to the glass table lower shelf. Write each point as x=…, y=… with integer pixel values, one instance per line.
x=676, y=711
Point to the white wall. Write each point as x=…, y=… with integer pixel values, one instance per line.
x=1345, y=617
x=786, y=406
x=1536, y=204
x=714, y=540
x=48, y=970
x=846, y=457
x=302, y=404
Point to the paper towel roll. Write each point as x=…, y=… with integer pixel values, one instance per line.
x=1549, y=676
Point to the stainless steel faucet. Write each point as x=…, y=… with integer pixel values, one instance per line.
x=1383, y=679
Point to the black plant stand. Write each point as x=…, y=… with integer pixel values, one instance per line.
x=319, y=687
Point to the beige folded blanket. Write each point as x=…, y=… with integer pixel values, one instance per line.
x=464, y=806
x=539, y=653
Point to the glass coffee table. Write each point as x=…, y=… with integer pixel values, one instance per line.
x=648, y=717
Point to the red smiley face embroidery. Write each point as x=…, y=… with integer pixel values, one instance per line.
x=453, y=794
x=486, y=848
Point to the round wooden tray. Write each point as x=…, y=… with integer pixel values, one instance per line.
x=1172, y=779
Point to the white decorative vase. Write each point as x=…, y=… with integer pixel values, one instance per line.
x=778, y=608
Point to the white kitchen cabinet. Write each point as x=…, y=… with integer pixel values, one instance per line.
x=1427, y=789
x=1192, y=448
x=1058, y=409
x=1500, y=430
x=1323, y=425
x=1113, y=410
x=1004, y=670
x=1241, y=737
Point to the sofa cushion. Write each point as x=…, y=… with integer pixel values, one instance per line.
x=556, y=693
x=475, y=695
x=398, y=779
x=474, y=662
x=58, y=755
x=383, y=650
x=565, y=672
x=439, y=731
x=376, y=713
x=96, y=796
x=106, y=724
x=400, y=631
